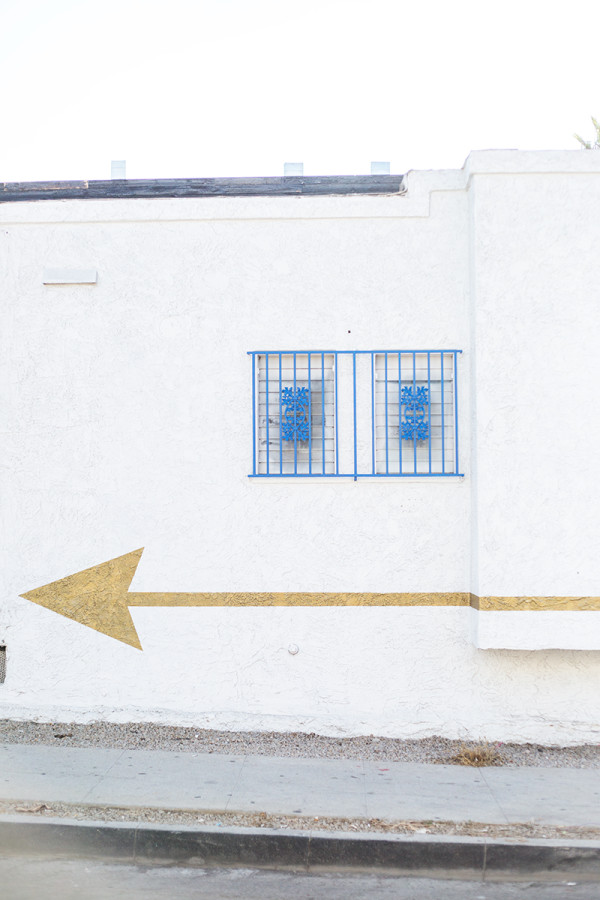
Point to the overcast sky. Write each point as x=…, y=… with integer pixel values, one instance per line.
x=237, y=87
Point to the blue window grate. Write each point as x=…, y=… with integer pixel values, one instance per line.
x=355, y=413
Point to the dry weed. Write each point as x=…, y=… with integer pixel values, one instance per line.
x=481, y=755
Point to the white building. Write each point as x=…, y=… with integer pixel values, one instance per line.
x=445, y=583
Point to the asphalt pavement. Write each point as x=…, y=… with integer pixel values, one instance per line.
x=40, y=879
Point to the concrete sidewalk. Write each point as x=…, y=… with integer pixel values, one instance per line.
x=291, y=786
x=302, y=787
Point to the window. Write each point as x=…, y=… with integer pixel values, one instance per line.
x=296, y=414
x=355, y=413
x=415, y=416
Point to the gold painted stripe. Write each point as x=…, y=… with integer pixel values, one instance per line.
x=536, y=604
x=245, y=598
x=297, y=599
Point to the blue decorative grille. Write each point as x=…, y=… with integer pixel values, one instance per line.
x=416, y=403
x=294, y=414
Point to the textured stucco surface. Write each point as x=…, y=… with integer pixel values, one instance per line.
x=127, y=423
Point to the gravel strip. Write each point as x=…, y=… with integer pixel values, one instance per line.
x=150, y=736
x=199, y=819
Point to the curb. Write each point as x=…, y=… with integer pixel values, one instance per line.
x=296, y=850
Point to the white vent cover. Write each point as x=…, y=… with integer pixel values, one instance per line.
x=70, y=276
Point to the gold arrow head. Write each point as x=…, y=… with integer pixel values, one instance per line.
x=96, y=597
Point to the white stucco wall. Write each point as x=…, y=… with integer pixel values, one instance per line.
x=128, y=423
x=535, y=289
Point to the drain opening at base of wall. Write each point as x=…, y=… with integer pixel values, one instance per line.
x=2, y=664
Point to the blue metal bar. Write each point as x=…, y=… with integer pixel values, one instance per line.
x=455, y=415
x=323, y=408
x=354, y=388
x=337, y=457
x=267, y=405
x=443, y=443
x=429, y=405
x=280, y=429
x=414, y=395
x=373, y=411
x=387, y=459
x=309, y=420
x=253, y=414
x=400, y=413
x=338, y=352
x=295, y=422
x=364, y=475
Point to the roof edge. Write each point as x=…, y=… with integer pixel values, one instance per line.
x=285, y=185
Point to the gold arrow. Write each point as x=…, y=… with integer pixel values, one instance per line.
x=99, y=597
x=96, y=597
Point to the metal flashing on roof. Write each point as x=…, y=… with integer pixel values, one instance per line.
x=290, y=185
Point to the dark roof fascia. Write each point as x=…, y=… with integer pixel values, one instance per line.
x=288, y=185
